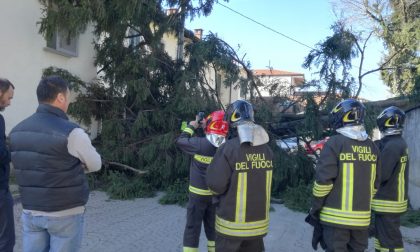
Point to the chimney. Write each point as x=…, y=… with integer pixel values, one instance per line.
x=171, y=11
x=198, y=33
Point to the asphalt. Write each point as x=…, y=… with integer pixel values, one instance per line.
x=145, y=225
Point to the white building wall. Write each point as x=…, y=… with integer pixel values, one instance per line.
x=412, y=137
x=227, y=95
x=170, y=42
x=284, y=83
x=23, y=57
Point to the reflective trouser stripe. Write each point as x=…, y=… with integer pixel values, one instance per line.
x=401, y=183
x=372, y=180
x=348, y=218
x=245, y=229
x=382, y=249
x=269, y=176
x=211, y=246
x=389, y=206
x=199, y=191
x=321, y=190
x=241, y=195
x=189, y=130
x=203, y=159
x=347, y=192
x=188, y=249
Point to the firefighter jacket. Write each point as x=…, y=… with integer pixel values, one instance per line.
x=392, y=193
x=202, y=152
x=240, y=175
x=345, y=181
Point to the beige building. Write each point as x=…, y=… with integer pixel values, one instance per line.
x=24, y=53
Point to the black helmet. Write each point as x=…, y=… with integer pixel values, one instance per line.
x=238, y=112
x=346, y=113
x=391, y=118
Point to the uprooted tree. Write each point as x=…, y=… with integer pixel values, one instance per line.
x=141, y=94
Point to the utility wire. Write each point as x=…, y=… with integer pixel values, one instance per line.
x=269, y=28
x=273, y=30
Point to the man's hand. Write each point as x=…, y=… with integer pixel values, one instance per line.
x=194, y=124
x=317, y=237
x=313, y=220
x=197, y=123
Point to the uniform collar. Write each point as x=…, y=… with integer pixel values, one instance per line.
x=356, y=132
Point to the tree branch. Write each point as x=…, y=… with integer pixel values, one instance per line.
x=382, y=66
x=125, y=167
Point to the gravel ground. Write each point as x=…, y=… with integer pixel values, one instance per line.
x=145, y=225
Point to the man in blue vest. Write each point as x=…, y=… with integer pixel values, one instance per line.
x=7, y=226
x=51, y=155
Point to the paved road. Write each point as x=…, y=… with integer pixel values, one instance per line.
x=145, y=225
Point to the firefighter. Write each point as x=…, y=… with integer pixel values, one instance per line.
x=391, y=200
x=240, y=176
x=200, y=208
x=346, y=179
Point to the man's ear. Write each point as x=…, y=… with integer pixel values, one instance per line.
x=61, y=98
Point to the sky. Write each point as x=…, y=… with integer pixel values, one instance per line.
x=307, y=21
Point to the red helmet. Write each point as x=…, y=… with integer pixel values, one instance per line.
x=215, y=123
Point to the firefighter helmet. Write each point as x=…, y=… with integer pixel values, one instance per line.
x=347, y=113
x=215, y=123
x=238, y=112
x=391, y=118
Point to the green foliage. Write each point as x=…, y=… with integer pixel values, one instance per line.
x=333, y=60
x=291, y=170
x=411, y=218
x=313, y=127
x=400, y=30
x=120, y=186
x=176, y=193
x=298, y=198
x=372, y=113
x=141, y=95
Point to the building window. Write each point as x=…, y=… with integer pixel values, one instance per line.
x=62, y=44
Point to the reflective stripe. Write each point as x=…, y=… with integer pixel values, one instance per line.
x=211, y=246
x=241, y=195
x=372, y=180
x=389, y=206
x=382, y=249
x=321, y=190
x=189, y=130
x=401, y=183
x=245, y=229
x=199, y=191
x=347, y=192
x=269, y=176
x=343, y=221
x=203, y=159
x=349, y=218
x=188, y=249
x=213, y=192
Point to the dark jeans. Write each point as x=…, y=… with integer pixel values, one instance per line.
x=388, y=235
x=224, y=244
x=200, y=209
x=343, y=240
x=7, y=223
